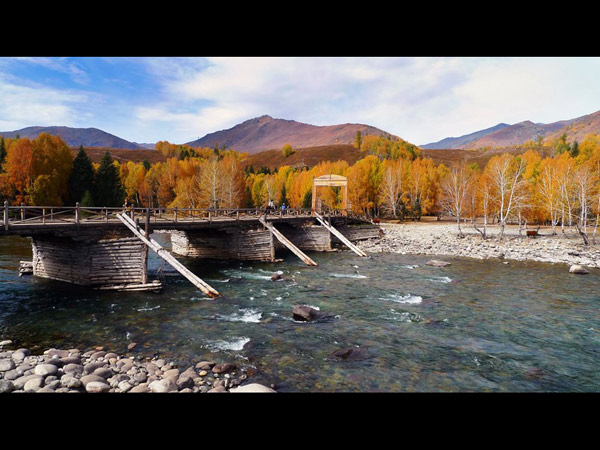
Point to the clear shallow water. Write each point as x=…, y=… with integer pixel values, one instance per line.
x=473, y=326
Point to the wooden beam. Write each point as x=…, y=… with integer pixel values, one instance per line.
x=160, y=251
x=340, y=236
x=285, y=241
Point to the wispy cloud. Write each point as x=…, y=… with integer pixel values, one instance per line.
x=25, y=105
x=180, y=99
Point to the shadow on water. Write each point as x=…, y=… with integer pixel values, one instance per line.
x=394, y=324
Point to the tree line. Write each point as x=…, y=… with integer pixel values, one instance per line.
x=558, y=183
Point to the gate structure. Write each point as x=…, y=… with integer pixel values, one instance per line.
x=330, y=180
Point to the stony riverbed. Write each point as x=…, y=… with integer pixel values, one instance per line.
x=443, y=239
x=100, y=371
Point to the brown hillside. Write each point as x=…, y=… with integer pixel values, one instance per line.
x=304, y=156
x=312, y=156
x=577, y=129
x=122, y=154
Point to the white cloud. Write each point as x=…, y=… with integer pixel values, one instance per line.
x=26, y=105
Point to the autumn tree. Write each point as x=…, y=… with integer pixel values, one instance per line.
x=364, y=179
x=19, y=170
x=507, y=185
x=456, y=186
x=2, y=152
x=394, y=183
x=287, y=150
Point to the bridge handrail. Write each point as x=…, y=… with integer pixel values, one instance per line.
x=17, y=214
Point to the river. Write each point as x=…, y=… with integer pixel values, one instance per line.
x=473, y=326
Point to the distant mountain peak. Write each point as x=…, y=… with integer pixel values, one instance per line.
x=266, y=133
x=74, y=137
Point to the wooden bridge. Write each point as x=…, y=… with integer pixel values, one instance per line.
x=107, y=248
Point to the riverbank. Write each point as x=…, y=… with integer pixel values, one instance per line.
x=442, y=238
x=99, y=371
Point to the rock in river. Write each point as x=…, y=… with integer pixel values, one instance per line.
x=575, y=268
x=350, y=354
x=437, y=263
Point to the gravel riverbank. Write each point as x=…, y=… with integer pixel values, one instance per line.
x=441, y=238
x=99, y=371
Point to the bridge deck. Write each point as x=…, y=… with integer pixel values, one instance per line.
x=27, y=220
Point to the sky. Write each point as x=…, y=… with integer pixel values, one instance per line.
x=180, y=99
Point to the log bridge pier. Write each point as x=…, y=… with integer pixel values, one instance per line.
x=107, y=248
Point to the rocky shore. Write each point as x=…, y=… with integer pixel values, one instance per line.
x=100, y=371
x=442, y=238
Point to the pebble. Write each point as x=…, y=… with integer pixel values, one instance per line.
x=99, y=370
x=441, y=239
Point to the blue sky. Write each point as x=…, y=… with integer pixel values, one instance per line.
x=179, y=99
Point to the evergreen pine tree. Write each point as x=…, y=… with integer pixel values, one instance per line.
x=82, y=177
x=307, y=200
x=108, y=190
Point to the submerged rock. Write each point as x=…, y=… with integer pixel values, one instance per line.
x=437, y=263
x=350, y=354
x=575, y=268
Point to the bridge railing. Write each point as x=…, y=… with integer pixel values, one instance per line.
x=46, y=215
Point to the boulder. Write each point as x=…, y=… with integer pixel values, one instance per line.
x=252, y=388
x=224, y=368
x=6, y=386
x=6, y=365
x=304, y=312
x=97, y=387
x=576, y=268
x=162, y=386
x=45, y=369
x=205, y=365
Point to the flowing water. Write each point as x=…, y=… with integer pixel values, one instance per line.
x=473, y=326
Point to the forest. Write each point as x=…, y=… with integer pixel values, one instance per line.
x=391, y=181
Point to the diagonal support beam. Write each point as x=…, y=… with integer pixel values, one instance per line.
x=339, y=235
x=285, y=241
x=160, y=251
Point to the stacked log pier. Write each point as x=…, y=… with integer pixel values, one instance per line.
x=113, y=261
x=225, y=243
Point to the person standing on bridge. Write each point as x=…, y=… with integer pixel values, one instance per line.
x=283, y=208
x=127, y=205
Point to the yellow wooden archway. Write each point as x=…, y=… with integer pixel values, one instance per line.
x=330, y=180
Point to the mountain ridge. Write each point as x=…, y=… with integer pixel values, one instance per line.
x=266, y=133
x=74, y=137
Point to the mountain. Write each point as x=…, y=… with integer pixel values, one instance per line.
x=74, y=137
x=461, y=141
x=266, y=133
x=518, y=134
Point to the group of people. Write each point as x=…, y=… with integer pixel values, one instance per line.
x=271, y=206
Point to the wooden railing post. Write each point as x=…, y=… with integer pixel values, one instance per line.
x=22, y=211
x=43, y=216
x=147, y=225
x=6, y=215
x=77, y=212
x=175, y=214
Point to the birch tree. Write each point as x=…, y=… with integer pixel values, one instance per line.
x=508, y=184
x=455, y=190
